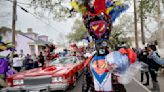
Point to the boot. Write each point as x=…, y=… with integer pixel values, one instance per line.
x=155, y=87
x=146, y=84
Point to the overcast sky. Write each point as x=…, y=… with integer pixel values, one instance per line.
x=55, y=30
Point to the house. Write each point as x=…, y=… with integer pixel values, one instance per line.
x=30, y=42
x=38, y=42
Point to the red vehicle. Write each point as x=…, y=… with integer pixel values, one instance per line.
x=59, y=75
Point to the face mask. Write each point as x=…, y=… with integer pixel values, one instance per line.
x=101, y=51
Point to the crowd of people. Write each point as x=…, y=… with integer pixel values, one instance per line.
x=17, y=62
x=22, y=62
x=151, y=63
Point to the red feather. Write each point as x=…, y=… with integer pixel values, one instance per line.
x=99, y=6
x=131, y=55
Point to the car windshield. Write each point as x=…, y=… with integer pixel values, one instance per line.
x=64, y=60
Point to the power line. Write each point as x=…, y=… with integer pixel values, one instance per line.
x=34, y=15
x=25, y=10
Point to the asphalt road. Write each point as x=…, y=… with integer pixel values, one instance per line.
x=134, y=86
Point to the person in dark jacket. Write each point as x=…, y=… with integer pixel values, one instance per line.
x=28, y=62
x=155, y=63
x=41, y=59
x=142, y=56
x=35, y=61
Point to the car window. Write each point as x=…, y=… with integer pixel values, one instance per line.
x=79, y=60
x=64, y=60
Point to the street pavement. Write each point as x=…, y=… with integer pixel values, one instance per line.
x=160, y=80
x=133, y=86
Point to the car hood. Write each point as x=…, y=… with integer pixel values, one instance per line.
x=49, y=70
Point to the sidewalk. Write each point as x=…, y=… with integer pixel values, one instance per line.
x=160, y=80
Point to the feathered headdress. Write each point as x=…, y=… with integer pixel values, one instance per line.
x=99, y=15
x=5, y=45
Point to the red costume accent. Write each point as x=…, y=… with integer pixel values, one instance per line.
x=132, y=56
x=99, y=6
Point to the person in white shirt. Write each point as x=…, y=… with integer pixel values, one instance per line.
x=18, y=62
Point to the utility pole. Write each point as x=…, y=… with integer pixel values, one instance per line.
x=135, y=23
x=13, y=23
x=142, y=22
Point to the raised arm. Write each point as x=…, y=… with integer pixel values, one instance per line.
x=156, y=58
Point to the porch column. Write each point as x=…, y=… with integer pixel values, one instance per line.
x=36, y=49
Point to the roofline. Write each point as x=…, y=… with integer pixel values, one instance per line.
x=24, y=34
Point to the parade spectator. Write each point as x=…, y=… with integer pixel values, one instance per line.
x=47, y=50
x=31, y=63
x=26, y=61
x=17, y=63
x=56, y=56
x=155, y=63
x=65, y=52
x=21, y=54
x=48, y=54
x=52, y=48
x=153, y=54
x=35, y=61
x=41, y=59
x=142, y=57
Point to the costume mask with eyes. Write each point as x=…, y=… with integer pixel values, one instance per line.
x=102, y=46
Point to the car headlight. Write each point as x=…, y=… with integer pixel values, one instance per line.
x=54, y=79
x=58, y=79
x=18, y=82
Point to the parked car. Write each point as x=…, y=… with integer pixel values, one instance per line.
x=59, y=75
